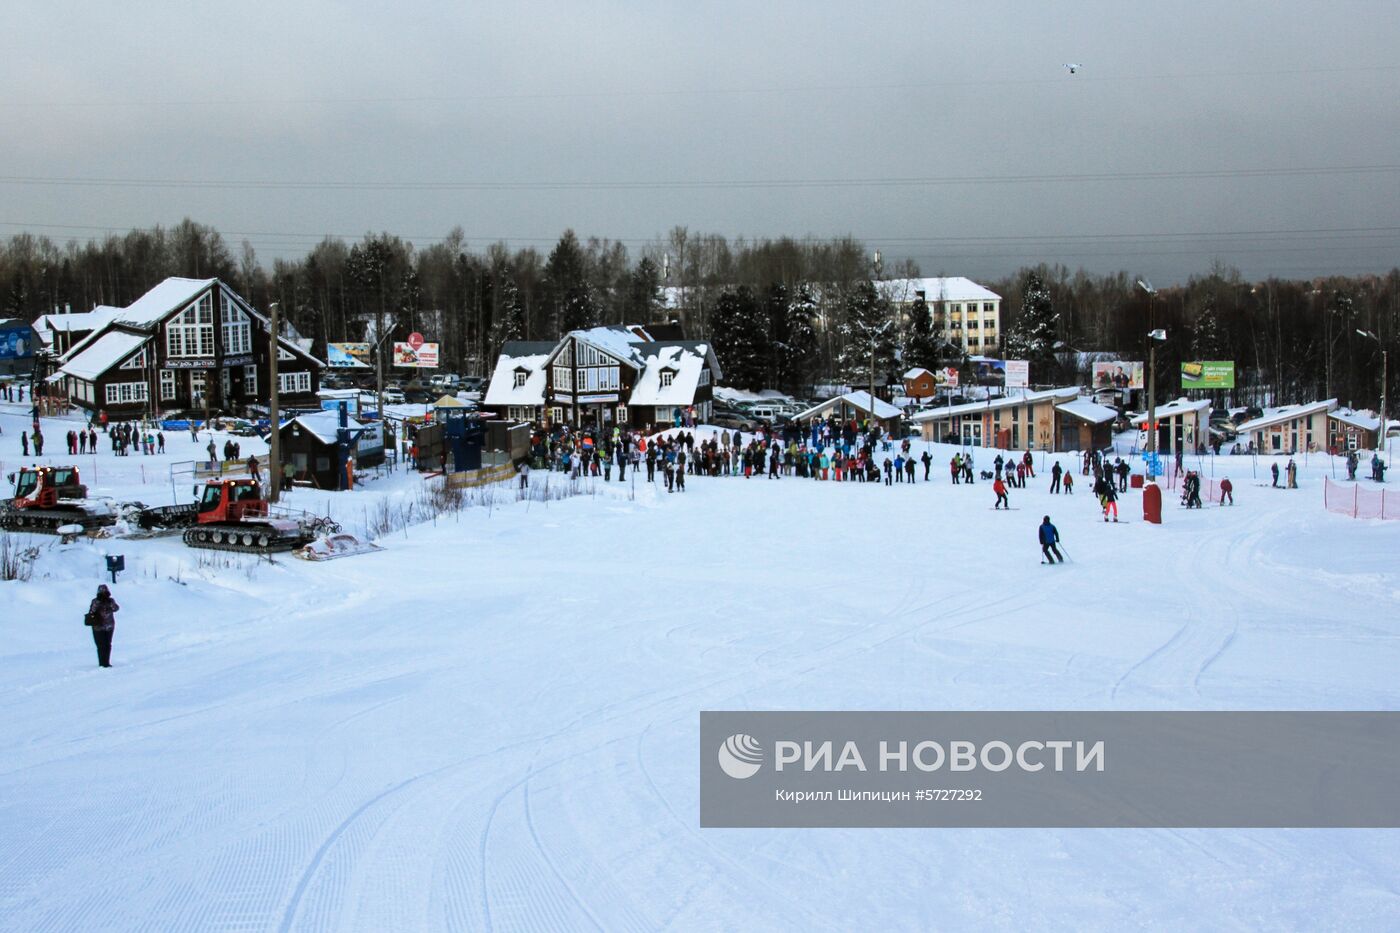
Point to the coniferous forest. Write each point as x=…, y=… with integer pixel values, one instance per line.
x=783, y=313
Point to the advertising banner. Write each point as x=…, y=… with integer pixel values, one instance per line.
x=1218, y=374
x=424, y=357
x=1119, y=374
x=347, y=355
x=945, y=378
x=16, y=343
x=1018, y=374
x=988, y=372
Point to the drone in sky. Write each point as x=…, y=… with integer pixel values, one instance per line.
x=1073, y=67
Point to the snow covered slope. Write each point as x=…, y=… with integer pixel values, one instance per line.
x=492, y=724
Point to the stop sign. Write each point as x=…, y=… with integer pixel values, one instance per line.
x=415, y=340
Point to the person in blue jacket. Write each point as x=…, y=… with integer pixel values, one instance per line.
x=1049, y=537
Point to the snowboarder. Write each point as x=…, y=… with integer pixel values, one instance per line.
x=101, y=616
x=1049, y=537
x=999, y=488
x=1227, y=491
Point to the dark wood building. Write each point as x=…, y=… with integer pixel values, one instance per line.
x=185, y=344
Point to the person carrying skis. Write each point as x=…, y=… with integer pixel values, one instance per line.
x=1049, y=536
x=1292, y=471
x=1109, y=498
x=999, y=488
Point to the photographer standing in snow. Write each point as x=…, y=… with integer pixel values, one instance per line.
x=101, y=615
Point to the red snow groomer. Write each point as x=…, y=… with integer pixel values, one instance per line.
x=233, y=515
x=47, y=498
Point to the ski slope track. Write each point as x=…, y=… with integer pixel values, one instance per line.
x=492, y=723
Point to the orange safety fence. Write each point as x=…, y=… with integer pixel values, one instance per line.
x=1358, y=501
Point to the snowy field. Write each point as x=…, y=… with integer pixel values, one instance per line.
x=492, y=724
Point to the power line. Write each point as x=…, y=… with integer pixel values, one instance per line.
x=1082, y=78
x=694, y=185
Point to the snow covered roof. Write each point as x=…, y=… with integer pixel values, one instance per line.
x=916, y=372
x=685, y=363
x=955, y=288
x=102, y=354
x=1172, y=409
x=859, y=400
x=1365, y=420
x=325, y=426
x=168, y=296
x=1067, y=394
x=76, y=320
x=1282, y=413
x=1088, y=410
x=617, y=341
x=519, y=354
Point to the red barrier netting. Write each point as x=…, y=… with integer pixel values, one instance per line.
x=1358, y=502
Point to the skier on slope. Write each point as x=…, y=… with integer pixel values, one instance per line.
x=1109, y=498
x=1227, y=491
x=1049, y=536
x=999, y=488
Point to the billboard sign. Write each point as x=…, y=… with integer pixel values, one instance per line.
x=945, y=378
x=347, y=355
x=17, y=343
x=1217, y=374
x=987, y=372
x=425, y=356
x=1018, y=374
x=1119, y=374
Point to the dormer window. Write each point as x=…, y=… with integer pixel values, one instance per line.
x=520, y=376
x=667, y=377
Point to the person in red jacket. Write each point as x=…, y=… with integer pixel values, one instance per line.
x=999, y=488
x=1227, y=491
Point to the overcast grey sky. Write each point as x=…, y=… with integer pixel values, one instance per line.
x=949, y=132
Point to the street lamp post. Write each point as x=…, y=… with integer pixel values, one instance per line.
x=1385, y=361
x=1153, y=336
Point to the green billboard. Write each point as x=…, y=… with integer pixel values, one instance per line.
x=1209, y=375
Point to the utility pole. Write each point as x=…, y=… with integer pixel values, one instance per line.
x=274, y=438
x=1153, y=336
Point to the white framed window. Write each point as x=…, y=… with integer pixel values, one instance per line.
x=167, y=385
x=563, y=378
x=225, y=383
x=191, y=332
x=238, y=336
x=667, y=377
x=622, y=414
x=294, y=383
x=705, y=376
x=136, y=362
x=556, y=414
x=125, y=393
x=198, y=380
x=250, y=379
x=520, y=377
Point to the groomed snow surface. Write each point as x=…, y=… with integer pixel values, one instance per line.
x=492, y=724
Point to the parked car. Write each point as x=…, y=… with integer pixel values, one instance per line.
x=471, y=383
x=393, y=396
x=733, y=422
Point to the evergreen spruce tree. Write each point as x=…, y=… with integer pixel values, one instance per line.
x=798, y=353
x=921, y=347
x=1032, y=338
x=867, y=329
x=1207, y=342
x=509, y=323
x=642, y=303
x=739, y=338
x=566, y=276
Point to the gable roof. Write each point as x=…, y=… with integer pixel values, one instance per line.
x=1064, y=394
x=1172, y=409
x=685, y=359
x=859, y=400
x=325, y=426
x=519, y=354
x=171, y=295
x=1283, y=413
x=107, y=351
x=1365, y=420
x=1087, y=410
